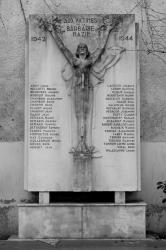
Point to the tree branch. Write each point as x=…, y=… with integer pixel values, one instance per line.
x=2, y=22
x=22, y=10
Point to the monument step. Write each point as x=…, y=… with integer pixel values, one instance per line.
x=82, y=221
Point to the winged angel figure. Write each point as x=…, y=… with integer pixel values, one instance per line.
x=82, y=65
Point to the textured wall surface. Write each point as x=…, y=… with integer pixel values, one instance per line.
x=12, y=28
x=12, y=85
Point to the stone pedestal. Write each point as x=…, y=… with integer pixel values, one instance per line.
x=74, y=220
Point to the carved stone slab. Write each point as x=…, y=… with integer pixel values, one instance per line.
x=82, y=103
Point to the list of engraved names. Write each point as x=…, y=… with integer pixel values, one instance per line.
x=44, y=128
x=119, y=118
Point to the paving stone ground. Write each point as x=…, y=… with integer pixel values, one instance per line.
x=84, y=245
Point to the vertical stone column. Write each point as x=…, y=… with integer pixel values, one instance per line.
x=44, y=197
x=120, y=197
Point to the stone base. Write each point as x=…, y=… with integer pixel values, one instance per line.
x=106, y=220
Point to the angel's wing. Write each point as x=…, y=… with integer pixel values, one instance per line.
x=108, y=59
x=67, y=76
x=106, y=56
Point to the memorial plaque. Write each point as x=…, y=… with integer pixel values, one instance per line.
x=82, y=103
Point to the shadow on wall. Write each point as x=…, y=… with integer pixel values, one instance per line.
x=156, y=220
x=8, y=221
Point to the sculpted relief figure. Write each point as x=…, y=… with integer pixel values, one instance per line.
x=84, y=64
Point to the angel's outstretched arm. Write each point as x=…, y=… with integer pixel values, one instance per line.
x=51, y=28
x=67, y=53
x=101, y=50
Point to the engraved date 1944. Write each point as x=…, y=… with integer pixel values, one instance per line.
x=126, y=38
x=38, y=38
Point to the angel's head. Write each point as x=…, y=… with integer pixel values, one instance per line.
x=82, y=50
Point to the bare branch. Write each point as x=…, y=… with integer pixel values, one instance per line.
x=55, y=4
x=162, y=59
x=48, y=6
x=161, y=13
x=2, y=22
x=22, y=10
x=134, y=7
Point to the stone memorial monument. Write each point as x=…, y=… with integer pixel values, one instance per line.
x=82, y=125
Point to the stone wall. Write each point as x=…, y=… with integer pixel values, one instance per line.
x=13, y=15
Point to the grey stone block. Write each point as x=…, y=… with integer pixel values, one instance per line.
x=82, y=221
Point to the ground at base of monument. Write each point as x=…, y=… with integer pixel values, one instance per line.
x=149, y=237
x=99, y=244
